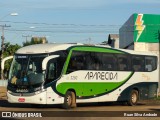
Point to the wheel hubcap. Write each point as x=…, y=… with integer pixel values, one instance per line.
x=69, y=100
x=134, y=98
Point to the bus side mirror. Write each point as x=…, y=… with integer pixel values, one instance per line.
x=45, y=61
x=2, y=65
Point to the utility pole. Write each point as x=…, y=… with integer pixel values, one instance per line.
x=2, y=46
x=26, y=36
x=89, y=41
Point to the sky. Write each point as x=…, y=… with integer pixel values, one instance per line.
x=61, y=21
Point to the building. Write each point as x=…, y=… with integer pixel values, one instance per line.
x=42, y=40
x=113, y=40
x=141, y=32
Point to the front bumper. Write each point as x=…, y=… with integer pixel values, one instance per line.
x=34, y=99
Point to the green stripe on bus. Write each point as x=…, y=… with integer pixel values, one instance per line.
x=86, y=89
x=97, y=49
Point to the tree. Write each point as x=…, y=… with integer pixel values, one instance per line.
x=9, y=51
x=35, y=40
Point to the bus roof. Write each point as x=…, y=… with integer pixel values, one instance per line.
x=52, y=47
x=139, y=52
x=43, y=48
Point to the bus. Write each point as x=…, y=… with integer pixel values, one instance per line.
x=68, y=74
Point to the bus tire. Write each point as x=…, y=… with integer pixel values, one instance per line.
x=69, y=100
x=133, y=99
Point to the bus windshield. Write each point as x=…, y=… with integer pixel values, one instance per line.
x=26, y=70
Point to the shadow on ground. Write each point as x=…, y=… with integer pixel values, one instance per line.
x=4, y=103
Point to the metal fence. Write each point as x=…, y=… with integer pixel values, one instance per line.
x=3, y=83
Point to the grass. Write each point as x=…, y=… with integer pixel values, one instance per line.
x=158, y=98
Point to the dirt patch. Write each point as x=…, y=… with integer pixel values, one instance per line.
x=3, y=91
x=154, y=101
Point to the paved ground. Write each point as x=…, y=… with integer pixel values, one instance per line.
x=87, y=111
x=3, y=91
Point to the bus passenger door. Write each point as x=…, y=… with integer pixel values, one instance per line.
x=52, y=74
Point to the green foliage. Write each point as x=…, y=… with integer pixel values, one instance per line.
x=35, y=40
x=9, y=51
x=158, y=98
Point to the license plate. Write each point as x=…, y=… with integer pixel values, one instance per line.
x=21, y=100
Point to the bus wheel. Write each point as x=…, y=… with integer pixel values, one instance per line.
x=133, y=98
x=69, y=100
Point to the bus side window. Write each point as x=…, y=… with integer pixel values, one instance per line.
x=138, y=63
x=122, y=63
x=109, y=62
x=93, y=61
x=150, y=63
x=51, y=71
x=76, y=61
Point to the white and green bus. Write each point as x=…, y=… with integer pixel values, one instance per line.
x=68, y=74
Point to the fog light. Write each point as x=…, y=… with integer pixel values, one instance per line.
x=40, y=99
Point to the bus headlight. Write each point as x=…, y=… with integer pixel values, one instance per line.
x=9, y=91
x=37, y=92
